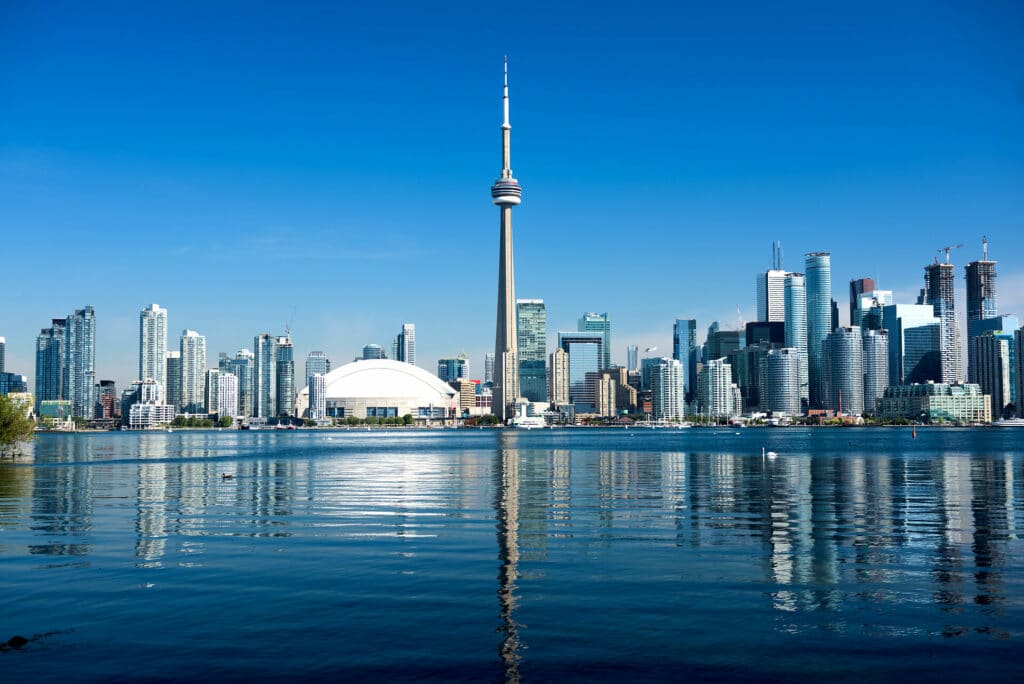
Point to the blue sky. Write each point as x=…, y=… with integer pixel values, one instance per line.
x=249, y=164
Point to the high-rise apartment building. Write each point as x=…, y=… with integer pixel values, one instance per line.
x=865, y=304
x=843, y=371
x=241, y=367
x=404, y=347
x=192, y=352
x=795, y=293
x=599, y=323
x=876, y=367
x=153, y=344
x=3, y=355
x=668, y=390
x=317, y=396
x=1018, y=365
x=264, y=376
x=938, y=292
x=79, y=367
x=172, y=364
x=780, y=382
x=558, y=378
x=977, y=327
x=715, y=393
x=50, y=362
x=211, y=391
x=585, y=350
x=284, y=364
x=981, y=288
x=228, y=396
x=316, y=362
x=532, y=329
x=818, y=274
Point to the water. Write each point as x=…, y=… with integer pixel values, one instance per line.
x=547, y=555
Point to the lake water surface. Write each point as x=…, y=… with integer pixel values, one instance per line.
x=628, y=555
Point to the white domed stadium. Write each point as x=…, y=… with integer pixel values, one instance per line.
x=381, y=388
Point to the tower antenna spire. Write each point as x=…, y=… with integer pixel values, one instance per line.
x=984, y=247
x=505, y=123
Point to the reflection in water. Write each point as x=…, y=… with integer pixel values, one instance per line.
x=506, y=505
x=838, y=543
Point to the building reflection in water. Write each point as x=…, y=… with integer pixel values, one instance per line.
x=506, y=505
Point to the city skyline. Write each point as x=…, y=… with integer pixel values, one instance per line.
x=124, y=192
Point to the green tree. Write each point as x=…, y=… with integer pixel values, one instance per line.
x=15, y=425
x=407, y=419
x=225, y=421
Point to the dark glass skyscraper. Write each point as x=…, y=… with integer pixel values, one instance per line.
x=938, y=292
x=79, y=384
x=686, y=352
x=532, y=330
x=50, y=362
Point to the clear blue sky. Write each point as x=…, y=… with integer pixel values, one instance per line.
x=238, y=161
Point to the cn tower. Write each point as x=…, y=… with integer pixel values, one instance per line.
x=506, y=193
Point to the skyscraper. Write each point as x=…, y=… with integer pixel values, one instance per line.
x=317, y=397
x=938, y=291
x=866, y=304
x=106, y=406
x=992, y=355
x=910, y=362
x=264, y=376
x=172, y=366
x=842, y=367
x=452, y=369
x=715, y=389
x=284, y=364
x=211, y=391
x=3, y=352
x=241, y=367
x=796, y=324
x=192, y=351
x=876, y=367
x=532, y=329
x=50, y=362
x=818, y=269
x=668, y=400
x=489, y=368
x=981, y=288
x=79, y=369
x=585, y=353
x=770, y=288
x=858, y=288
x=686, y=352
x=153, y=344
x=592, y=322
x=632, y=358
x=404, y=347
x=780, y=382
x=227, y=396
x=996, y=325
x=558, y=378
x=316, y=362
x=506, y=193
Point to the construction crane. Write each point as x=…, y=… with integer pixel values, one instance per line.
x=947, y=250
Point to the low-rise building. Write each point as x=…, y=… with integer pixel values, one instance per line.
x=936, y=402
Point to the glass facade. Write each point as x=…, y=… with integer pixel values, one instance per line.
x=585, y=351
x=284, y=363
x=897, y=319
x=153, y=344
x=532, y=331
x=592, y=322
x=192, y=350
x=264, y=377
x=50, y=363
x=818, y=274
x=876, y=367
x=686, y=352
x=667, y=390
x=796, y=324
x=780, y=385
x=79, y=384
x=317, y=362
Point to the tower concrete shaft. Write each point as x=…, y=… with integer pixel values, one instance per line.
x=506, y=193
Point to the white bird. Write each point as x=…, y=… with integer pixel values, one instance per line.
x=769, y=454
